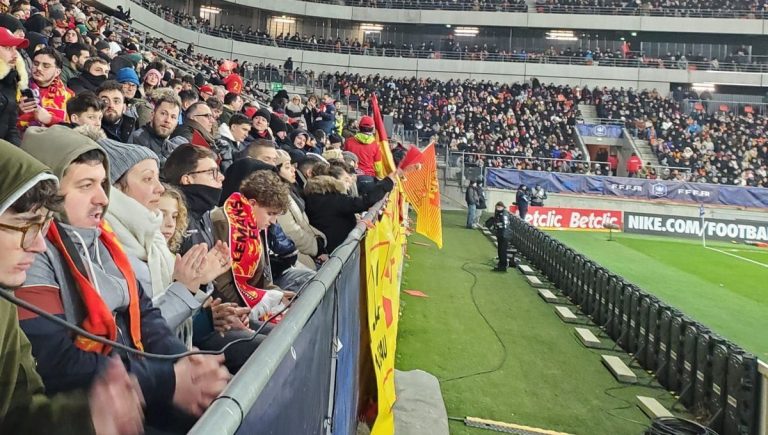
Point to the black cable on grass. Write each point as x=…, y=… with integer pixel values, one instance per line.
x=488, y=323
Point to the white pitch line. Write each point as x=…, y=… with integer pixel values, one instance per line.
x=739, y=257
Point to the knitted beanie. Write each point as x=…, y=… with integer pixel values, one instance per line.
x=122, y=157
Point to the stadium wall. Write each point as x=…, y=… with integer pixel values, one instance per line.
x=512, y=19
x=628, y=205
x=574, y=75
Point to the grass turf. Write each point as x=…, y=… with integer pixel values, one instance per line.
x=540, y=375
x=724, y=293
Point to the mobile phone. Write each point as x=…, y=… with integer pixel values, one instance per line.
x=28, y=94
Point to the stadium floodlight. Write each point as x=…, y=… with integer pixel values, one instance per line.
x=284, y=19
x=562, y=35
x=466, y=31
x=209, y=10
x=371, y=28
x=701, y=87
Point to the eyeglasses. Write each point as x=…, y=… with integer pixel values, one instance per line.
x=213, y=171
x=207, y=115
x=29, y=232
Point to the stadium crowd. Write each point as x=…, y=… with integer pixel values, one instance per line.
x=711, y=144
x=169, y=211
x=162, y=211
x=450, y=48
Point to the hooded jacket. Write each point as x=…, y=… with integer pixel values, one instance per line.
x=12, y=82
x=62, y=365
x=332, y=211
x=24, y=408
x=309, y=240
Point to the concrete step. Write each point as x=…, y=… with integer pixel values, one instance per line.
x=587, y=338
x=619, y=369
x=565, y=314
x=652, y=408
x=534, y=281
x=526, y=269
x=547, y=295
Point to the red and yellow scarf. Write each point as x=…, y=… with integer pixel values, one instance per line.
x=245, y=247
x=99, y=320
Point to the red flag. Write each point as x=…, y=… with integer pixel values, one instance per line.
x=412, y=157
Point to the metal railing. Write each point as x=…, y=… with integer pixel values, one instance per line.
x=228, y=411
x=647, y=11
x=757, y=64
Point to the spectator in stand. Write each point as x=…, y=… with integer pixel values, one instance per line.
x=53, y=94
x=85, y=109
x=261, y=197
x=309, y=241
x=260, y=128
x=152, y=79
x=633, y=165
x=155, y=134
x=367, y=150
x=115, y=122
x=325, y=115
x=197, y=128
x=28, y=193
x=13, y=79
x=330, y=209
x=613, y=163
x=231, y=142
x=95, y=72
x=67, y=363
x=76, y=54
x=233, y=103
x=194, y=171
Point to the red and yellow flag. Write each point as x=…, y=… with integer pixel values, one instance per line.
x=423, y=192
x=381, y=137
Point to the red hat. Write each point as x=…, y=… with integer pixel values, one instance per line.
x=206, y=89
x=8, y=39
x=366, y=122
x=250, y=111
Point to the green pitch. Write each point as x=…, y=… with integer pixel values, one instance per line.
x=505, y=356
x=725, y=293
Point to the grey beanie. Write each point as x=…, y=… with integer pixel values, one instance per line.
x=349, y=155
x=122, y=157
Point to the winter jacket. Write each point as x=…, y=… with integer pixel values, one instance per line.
x=326, y=120
x=224, y=285
x=145, y=136
x=24, y=407
x=368, y=152
x=191, y=132
x=471, y=196
x=65, y=367
x=228, y=148
x=309, y=240
x=85, y=82
x=522, y=200
x=12, y=82
x=62, y=365
x=120, y=131
x=201, y=200
x=282, y=251
x=68, y=73
x=332, y=211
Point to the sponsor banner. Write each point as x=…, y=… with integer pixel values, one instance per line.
x=599, y=130
x=625, y=187
x=691, y=227
x=635, y=188
x=552, y=218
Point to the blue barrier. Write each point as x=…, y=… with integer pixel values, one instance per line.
x=636, y=188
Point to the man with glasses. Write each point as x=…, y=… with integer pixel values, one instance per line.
x=197, y=128
x=86, y=278
x=115, y=123
x=194, y=171
x=28, y=194
x=51, y=108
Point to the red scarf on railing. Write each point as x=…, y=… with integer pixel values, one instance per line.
x=99, y=319
x=245, y=247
